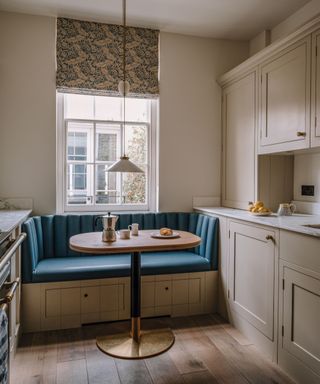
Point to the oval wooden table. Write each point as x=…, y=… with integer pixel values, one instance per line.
x=136, y=344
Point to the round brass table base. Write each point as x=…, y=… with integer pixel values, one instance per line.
x=122, y=345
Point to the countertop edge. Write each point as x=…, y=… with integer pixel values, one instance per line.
x=10, y=219
x=294, y=223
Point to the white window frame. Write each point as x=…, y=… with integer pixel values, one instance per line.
x=61, y=165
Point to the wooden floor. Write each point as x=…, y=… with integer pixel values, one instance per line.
x=206, y=350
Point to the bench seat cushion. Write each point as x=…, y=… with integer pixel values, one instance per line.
x=97, y=267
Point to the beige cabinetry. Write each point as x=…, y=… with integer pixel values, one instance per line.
x=252, y=282
x=70, y=304
x=285, y=99
x=299, y=337
x=239, y=127
x=315, y=87
x=252, y=274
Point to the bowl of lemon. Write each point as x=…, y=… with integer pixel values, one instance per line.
x=258, y=209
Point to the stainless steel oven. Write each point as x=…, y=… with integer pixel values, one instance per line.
x=8, y=248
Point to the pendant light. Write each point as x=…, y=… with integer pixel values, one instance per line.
x=124, y=164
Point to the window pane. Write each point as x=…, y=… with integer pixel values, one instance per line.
x=78, y=180
x=137, y=143
x=108, y=108
x=107, y=142
x=79, y=106
x=134, y=187
x=137, y=110
x=107, y=186
x=77, y=146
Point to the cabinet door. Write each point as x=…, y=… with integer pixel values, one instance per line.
x=70, y=301
x=285, y=99
x=315, y=115
x=163, y=297
x=90, y=302
x=239, y=162
x=109, y=302
x=252, y=274
x=301, y=317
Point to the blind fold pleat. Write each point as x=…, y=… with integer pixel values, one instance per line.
x=89, y=58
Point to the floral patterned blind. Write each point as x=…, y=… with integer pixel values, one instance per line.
x=89, y=58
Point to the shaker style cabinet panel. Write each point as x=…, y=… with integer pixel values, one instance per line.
x=285, y=100
x=315, y=115
x=239, y=163
x=252, y=261
x=301, y=317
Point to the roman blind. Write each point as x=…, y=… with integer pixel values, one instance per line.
x=89, y=58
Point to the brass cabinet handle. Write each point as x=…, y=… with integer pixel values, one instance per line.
x=167, y=288
x=301, y=134
x=85, y=295
x=13, y=285
x=269, y=237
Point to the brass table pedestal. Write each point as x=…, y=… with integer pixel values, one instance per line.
x=123, y=345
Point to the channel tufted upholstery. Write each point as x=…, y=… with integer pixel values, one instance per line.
x=46, y=255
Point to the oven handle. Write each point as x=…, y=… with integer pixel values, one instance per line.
x=9, y=253
x=12, y=285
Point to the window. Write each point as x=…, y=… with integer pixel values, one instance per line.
x=90, y=139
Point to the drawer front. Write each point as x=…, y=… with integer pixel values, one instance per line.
x=299, y=249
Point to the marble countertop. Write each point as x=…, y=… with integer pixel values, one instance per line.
x=10, y=219
x=293, y=223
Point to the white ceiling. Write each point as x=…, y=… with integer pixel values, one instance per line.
x=229, y=19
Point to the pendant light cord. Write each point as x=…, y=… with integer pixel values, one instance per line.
x=124, y=41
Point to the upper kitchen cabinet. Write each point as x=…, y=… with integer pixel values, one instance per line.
x=315, y=106
x=285, y=99
x=239, y=160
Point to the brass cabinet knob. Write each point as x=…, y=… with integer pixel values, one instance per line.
x=85, y=295
x=167, y=288
x=301, y=134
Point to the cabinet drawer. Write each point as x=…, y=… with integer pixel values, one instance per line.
x=299, y=249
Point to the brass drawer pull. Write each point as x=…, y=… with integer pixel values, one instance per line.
x=301, y=134
x=269, y=237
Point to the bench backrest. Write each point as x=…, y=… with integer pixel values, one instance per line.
x=48, y=236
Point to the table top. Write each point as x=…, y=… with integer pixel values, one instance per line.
x=91, y=242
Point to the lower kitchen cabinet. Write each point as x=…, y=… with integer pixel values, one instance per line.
x=269, y=288
x=299, y=298
x=253, y=253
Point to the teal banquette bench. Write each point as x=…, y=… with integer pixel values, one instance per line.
x=46, y=256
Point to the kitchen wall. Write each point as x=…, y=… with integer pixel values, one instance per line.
x=27, y=109
x=307, y=172
x=189, y=113
x=293, y=22
x=190, y=126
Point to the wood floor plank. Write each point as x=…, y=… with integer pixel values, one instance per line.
x=184, y=360
x=203, y=377
x=72, y=371
x=71, y=345
x=101, y=368
x=163, y=370
x=233, y=332
x=133, y=372
x=238, y=355
x=206, y=350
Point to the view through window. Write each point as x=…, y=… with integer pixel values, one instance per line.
x=94, y=140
